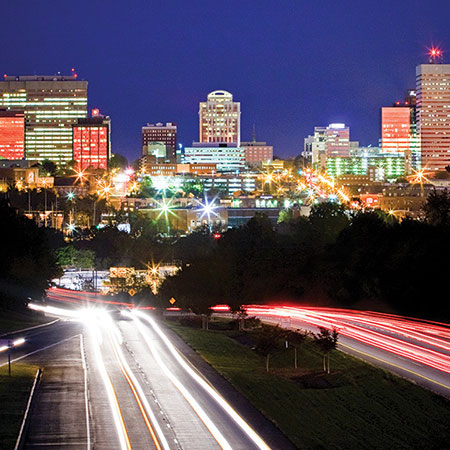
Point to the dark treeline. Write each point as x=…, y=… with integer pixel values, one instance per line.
x=366, y=260
x=27, y=262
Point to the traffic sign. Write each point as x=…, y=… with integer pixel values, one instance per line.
x=132, y=292
x=172, y=300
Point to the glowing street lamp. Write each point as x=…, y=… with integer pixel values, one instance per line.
x=70, y=196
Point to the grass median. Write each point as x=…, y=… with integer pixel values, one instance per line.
x=17, y=320
x=356, y=406
x=14, y=394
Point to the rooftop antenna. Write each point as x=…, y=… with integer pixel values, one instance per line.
x=435, y=54
x=254, y=133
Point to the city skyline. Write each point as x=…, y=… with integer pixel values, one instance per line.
x=289, y=74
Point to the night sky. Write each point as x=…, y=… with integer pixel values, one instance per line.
x=292, y=64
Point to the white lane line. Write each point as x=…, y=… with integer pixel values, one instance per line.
x=40, y=350
x=119, y=423
x=139, y=389
x=245, y=427
x=30, y=328
x=86, y=402
x=218, y=436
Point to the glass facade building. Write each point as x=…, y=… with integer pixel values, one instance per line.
x=12, y=135
x=91, y=143
x=227, y=158
x=51, y=104
x=433, y=114
x=387, y=167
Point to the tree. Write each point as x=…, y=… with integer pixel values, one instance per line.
x=328, y=219
x=296, y=339
x=70, y=256
x=326, y=341
x=118, y=162
x=27, y=264
x=268, y=339
x=49, y=167
x=437, y=208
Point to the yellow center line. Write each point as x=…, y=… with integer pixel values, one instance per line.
x=395, y=365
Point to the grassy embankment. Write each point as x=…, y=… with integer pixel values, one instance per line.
x=14, y=393
x=17, y=320
x=357, y=406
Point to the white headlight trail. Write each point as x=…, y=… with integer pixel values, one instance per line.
x=184, y=392
x=245, y=427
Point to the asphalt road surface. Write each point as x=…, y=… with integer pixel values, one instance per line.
x=415, y=349
x=116, y=380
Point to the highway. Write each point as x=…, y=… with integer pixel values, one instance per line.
x=114, y=380
x=415, y=349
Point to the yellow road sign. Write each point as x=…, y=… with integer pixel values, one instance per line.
x=132, y=292
x=172, y=300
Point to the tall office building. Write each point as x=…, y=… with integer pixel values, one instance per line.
x=51, y=104
x=433, y=114
x=327, y=142
x=337, y=137
x=396, y=130
x=257, y=152
x=220, y=119
x=228, y=157
x=12, y=134
x=91, y=142
x=165, y=134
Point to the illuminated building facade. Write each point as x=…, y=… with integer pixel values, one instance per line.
x=332, y=141
x=337, y=137
x=12, y=135
x=257, y=152
x=91, y=143
x=169, y=169
x=220, y=119
x=228, y=158
x=163, y=134
x=433, y=114
x=382, y=167
x=395, y=130
x=52, y=104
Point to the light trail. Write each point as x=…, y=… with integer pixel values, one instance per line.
x=139, y=395
x=217, y=435
x=353, y=324
x=119, y=422
x=243, y=425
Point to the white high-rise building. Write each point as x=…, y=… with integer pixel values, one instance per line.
x=433, y=114
x=220, y=119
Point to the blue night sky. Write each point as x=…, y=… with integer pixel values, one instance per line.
x=292, y=64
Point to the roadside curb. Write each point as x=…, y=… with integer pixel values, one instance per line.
x=30, y=328
x=25, y=421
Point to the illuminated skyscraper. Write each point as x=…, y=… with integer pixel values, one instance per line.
x=91, y=142
x=220, y=119
x=52, y=104
x=337, y=137
x=12, y=135
x=433, y=114
x=395, y=130
x=159, y=133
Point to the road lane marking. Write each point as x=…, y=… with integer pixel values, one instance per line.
x=140, y=398
x=243, y=425
x=111, y=393
x=39, y=350
x=86, y=402
x=217, y=435
x=395, y=365
x=30, y=328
